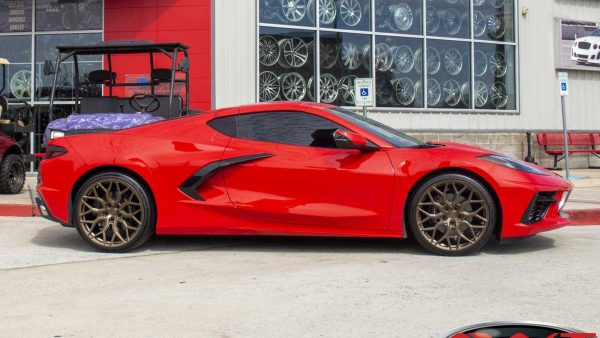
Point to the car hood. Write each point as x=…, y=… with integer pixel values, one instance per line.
x=590, y=39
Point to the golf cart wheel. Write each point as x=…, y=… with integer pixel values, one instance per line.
x=452, y=215
x=114, y=212
x=12, y=174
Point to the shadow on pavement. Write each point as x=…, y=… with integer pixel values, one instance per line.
x=68, y=238
x=520, y=246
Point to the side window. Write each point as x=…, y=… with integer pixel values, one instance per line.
x=294, y=128
x=224, y=125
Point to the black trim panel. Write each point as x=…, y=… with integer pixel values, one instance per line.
x=190, y=186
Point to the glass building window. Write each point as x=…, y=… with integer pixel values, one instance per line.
x=57, y=15
x=422, y=54
x=18, y=77
x=15, y=16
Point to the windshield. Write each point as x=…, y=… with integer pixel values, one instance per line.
x=596, y=32
x=389, y=134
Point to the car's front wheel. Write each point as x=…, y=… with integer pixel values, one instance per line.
x=114, y=212
x=452, y=214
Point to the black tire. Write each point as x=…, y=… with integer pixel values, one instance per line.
x=452, y=216
x=116, y=209
x=12, y=174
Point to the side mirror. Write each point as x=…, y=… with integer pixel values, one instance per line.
x=48, y=67
x=349, y=140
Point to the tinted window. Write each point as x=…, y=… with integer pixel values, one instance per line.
x=293, y=128
x=282, y=127
x=224, y=125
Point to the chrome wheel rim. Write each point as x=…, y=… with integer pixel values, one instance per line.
x=432, y=20
x=452, y=22
x=465, y=96
x=351, y=12
x=433, y=61
x=499, y=95
x=346, y=89
x=20, y=84
x=295, y=52
x=498, y=64
x=268, y=51
x=495, y=25
x=479, y=24
x=478, y=3
x=481, y=63
x=404, y=91
x=403, y=58
x=434, y=92
x=366, y=57
x=329, y=88
x=293, y=10
x=327, y=11
x=419, y=93
x=349, y=56
x=268, y=86
x=111, y=213
x=497, y=3
x=293, y=86
x=452, y=215
x=269, y=10
x=481, y=94
x=453, y=61
x=418, y=61
x=452, y=93
x=327, y=57
x=402, y=16
x=383, y=93
x=383, y=57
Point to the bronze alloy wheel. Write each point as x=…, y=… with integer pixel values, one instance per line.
x=113, y=212
x=452, y=215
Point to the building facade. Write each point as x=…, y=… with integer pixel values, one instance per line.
x=476, y=71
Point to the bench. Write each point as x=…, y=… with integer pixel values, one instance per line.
x=553, y=143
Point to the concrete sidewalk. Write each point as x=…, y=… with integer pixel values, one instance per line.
x=583, y=205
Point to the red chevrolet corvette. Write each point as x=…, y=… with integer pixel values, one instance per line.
x=291, y=169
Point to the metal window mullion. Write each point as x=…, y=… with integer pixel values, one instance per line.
x=373, y=42
x=31, y=97
x=274, y=25
x=517, y=60
x=257, y=61
x=472, y=93
x=317, y=56
x=424, y=71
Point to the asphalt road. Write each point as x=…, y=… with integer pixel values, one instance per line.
x=53, y=285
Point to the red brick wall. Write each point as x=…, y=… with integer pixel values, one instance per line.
x=185, y=21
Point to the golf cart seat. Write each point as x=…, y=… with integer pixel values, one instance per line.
x=8, y=122
x=161, y=75
x=113, y=104
x=101, y=77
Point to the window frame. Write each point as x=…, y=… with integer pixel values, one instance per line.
x=424, y=38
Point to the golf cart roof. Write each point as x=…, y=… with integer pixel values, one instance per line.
x=4, y=62
x=123, y=47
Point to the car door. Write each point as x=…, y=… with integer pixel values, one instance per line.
x=296, y=180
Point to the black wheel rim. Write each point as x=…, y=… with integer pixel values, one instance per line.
x=16, y=175
x=452, y=215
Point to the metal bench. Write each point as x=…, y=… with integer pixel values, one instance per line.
x=553, y=143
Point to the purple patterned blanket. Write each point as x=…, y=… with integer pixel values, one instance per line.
x=114, y=121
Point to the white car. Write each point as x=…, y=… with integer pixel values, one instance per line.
x=587, y=49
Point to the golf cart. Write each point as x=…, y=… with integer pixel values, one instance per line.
x=15, y=126
x=149, y=99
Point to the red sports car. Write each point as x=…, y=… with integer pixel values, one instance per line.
x=291, y=169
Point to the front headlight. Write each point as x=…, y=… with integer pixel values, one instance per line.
x=56, y=134
x=513, y=164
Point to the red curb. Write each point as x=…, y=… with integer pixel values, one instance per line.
x=18, y=210
x=584, y=216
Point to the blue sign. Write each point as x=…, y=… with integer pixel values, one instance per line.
x=364, y=92
x=563, y=86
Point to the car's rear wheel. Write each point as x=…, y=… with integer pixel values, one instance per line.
x=114, y=212
x=12, y=175
x=452, y=215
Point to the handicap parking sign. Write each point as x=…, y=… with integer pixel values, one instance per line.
x=363, y=92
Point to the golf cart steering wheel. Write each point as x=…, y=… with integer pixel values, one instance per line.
x=137, y=103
